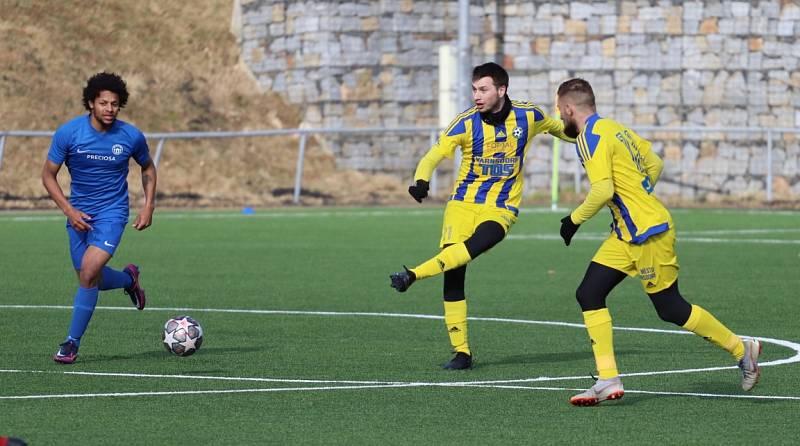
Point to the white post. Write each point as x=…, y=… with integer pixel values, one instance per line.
x=2, y=146
x=236, y=20
x=449, y=94
x=159, y=149
x=463, y=52
x=434, y=177
x=464, y=73
x=769, y=165
x=298, y=174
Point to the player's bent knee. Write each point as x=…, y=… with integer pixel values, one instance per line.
x=589, y=299
x=487, y=234
x=671, y=306
x=88, y=278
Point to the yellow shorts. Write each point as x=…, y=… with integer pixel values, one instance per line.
x=461, y=219
x=654, y=261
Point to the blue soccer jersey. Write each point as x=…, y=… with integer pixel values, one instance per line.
x=98, y=165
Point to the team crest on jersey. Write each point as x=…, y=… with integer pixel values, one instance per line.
x=116, y=149
x=517, y=132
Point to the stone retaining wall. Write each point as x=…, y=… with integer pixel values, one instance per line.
x=666, y=63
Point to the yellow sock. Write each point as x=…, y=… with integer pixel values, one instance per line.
x=449, y=258
x=598, y=324
x=455, y=319
x=702, y=323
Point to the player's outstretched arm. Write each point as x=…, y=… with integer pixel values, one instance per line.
x=145, y=217
x=77, y=219
x=422, y=176
x=555, y=127
x=600, y=192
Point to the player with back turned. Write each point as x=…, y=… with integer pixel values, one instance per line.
x=96, y=148
x=623, y=170
x=494, y=136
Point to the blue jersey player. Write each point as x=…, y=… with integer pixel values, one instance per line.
x=96, y=149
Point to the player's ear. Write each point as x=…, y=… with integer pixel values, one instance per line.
x=501, y=91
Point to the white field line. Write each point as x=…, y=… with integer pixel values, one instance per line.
x=203, y=377
x=377, y=384
x=381, y=386
x=257, y=215
x=681, y=239
x=788, y=344
x=199, y=392
x=377, y=212
x=268, y=214
x=742, y=231
x=654, y=392
x=272, y=213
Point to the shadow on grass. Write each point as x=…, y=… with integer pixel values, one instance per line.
x=162, y=353
x=547, y=358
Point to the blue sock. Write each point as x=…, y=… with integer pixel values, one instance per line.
x=82, y=309
x=112, y=279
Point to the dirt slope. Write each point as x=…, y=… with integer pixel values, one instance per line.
x=182, y=67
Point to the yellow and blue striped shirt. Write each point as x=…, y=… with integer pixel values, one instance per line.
x=609, y=150
x=493, y=156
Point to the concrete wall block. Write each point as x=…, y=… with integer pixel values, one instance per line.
x=692, y=63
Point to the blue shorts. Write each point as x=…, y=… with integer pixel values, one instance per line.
x=104, y=235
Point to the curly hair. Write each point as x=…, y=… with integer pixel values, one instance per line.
x=105, y=82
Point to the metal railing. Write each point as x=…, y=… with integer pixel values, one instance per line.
x=768, y=132
x=301, y=149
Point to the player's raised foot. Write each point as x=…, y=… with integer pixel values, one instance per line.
x=461, y=361
x=135, y=291
x=67, y=352
x=402, y=280
x=749, y=364
x=602, y=390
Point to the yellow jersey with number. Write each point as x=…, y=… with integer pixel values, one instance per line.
x=493, y=156
x=607, y=149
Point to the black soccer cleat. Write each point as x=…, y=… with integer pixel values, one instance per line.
x=461, y=361
x=402, y=280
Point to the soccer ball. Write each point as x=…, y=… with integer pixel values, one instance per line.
x=182, y=335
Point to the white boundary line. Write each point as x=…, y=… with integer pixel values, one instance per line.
x=381, y=386
x=267, y=213
x=788, y=344
x=271, y=213
x=651, y=392
x=351, y=385
x=681, y=239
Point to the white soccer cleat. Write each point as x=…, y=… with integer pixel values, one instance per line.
x=603, y=389
x=749, y=364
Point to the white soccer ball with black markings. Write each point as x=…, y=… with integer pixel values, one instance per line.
x=182, y=335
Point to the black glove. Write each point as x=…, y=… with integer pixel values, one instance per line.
x=568, y=229
x=419, y=190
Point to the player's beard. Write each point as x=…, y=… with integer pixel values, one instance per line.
x=571, y=128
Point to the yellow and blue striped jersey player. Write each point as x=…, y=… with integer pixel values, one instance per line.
x=494, y=136
x=623, y=170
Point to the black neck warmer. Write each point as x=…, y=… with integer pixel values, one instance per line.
x=498, y=118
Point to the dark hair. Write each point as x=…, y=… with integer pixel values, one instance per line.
x=579, y=91
x=105, y=82
x=496, y=72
